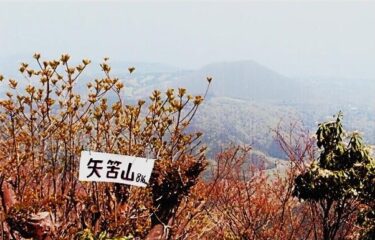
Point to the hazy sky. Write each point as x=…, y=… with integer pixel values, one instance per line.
x=326, y=39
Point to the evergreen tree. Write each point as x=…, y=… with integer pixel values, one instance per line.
x=338, y=181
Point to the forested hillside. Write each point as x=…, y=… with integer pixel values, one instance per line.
x=213, y=177
x=248, y=100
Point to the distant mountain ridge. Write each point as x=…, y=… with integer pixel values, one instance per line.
x=247, y=99
x=244, y=80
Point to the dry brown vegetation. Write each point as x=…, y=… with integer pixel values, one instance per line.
x=45, y=126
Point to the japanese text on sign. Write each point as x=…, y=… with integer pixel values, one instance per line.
x=105, y=167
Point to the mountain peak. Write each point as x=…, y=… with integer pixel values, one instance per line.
x=243, y=79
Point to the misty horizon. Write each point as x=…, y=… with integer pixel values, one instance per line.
x=293, y=39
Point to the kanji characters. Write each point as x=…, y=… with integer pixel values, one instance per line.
x=93, y=164
x=113, y=169
x=126, y=176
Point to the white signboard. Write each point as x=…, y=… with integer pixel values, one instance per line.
x=105, y=167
